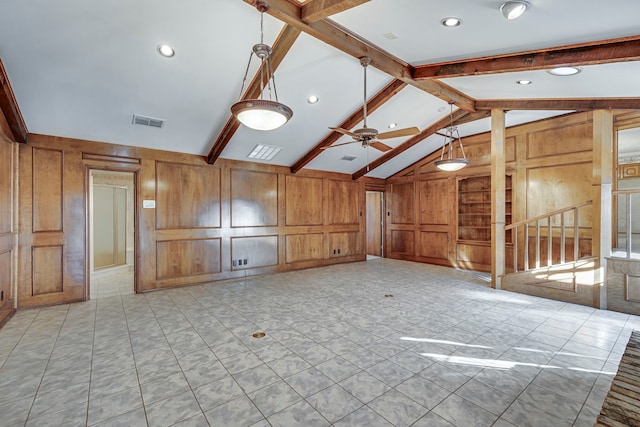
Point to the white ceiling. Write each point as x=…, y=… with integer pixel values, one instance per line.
x=82, y=69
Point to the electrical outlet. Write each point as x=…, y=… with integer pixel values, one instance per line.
x=245, y=261
x=1, y=295
x=338, y=251
x=334, y=251
x=234, y=262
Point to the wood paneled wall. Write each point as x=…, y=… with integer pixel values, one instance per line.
x=7, y=234
x=550, y=164
x=209, y=223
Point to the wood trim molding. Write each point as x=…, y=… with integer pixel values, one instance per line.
x=10, y=109
x=281, y=47
x=598, y=52
x=577, y=104
x=376, y=101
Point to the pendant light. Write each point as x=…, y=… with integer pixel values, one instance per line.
x=451, y=135
x=262, y=114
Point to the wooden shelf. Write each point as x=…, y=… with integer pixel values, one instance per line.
x=474, y=222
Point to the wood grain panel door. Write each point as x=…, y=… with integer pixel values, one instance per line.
x=374, y=223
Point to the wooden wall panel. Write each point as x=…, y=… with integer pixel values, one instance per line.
x=558, y=186
x=254, y=198
x=183, y=258
x=187, y=196
x=434, y=201
x=344, y=202
x=304, y=201
x=434, y=244
x=474, y=254
x=304, y=247
x=402, y=203
x=47, y=190
x=573, y=138
x=402, y=242
x=5, y=187
x=47, y=270
x=344, y=244
x=5, y=283
x=253, y=252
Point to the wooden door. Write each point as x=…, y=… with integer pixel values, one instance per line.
x=374, y=223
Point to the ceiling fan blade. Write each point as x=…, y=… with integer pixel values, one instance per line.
x=338, y=145
x=345, y=132
x=380, y=146
x=399, y=132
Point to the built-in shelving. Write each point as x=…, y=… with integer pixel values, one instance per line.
x=474, y=208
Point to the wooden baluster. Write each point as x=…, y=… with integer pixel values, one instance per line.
x=526, y=246
x=576, y=234
x=538, y=243
x=549, y=242
x=563, y=236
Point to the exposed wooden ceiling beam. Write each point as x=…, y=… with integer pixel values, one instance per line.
x=599, y=52
x=281, y=47
x=427, y=132
x=376, y=101
x=10, y=109
x=334, y=35
x=578, y=104
x=316, y=10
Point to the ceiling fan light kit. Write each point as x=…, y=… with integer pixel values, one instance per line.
x=451, y=135
x=514, y=9
x=367, y=136
x=262, y=114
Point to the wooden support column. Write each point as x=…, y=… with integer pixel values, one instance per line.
x=498, y=204
x=602, y=204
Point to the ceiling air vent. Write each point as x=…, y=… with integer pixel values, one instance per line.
x=348, y=158
x=264, y=152
x=147, y=121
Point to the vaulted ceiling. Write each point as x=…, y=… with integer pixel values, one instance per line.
x=82, y=69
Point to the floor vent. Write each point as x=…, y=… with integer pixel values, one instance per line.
x=147, y=121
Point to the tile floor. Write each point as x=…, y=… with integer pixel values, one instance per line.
x=444, y=350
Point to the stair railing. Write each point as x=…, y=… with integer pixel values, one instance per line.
x=628, y=217
x=563, y=226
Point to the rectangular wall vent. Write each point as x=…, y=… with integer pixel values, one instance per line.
x=348, y=158
x=147, y=121
x=264, y=152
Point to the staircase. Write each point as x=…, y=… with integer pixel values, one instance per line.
x=552, y=255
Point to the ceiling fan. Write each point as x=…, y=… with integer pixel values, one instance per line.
x=369, y=137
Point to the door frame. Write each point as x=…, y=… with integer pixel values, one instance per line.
x=136, y=223
x=382, y=221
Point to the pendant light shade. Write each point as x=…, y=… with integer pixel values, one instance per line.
x=451, y=136
x=262, y=114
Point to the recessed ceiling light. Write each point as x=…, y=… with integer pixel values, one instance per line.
x=524, y=82
x=392, y=125
x=312, y=99
x=166, y=50
x=451, y=22
x=514, y=9
x=564, y=71
x=390, y=36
